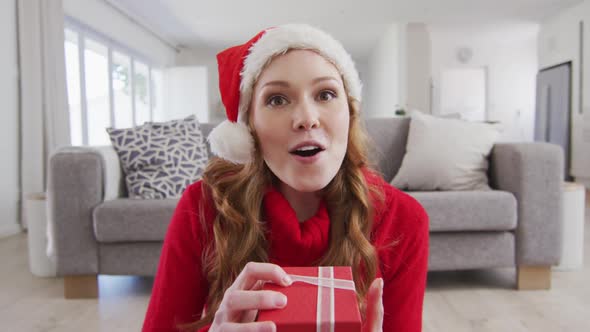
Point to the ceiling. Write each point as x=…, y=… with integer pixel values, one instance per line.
x=358, y=24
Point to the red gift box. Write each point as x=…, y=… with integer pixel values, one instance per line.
x=330, y=307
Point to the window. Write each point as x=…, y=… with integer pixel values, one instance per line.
x=108, y=85
x=121, y=69
x=142, y=92
x=96, y=72
x=73, y=86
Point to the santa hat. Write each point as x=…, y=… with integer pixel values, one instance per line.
x=240, y=66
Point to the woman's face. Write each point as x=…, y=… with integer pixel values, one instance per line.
x=300, y=114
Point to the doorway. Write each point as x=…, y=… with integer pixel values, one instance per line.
x=553, y=110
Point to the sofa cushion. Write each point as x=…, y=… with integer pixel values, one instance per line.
x=449, y=211
x=127, y=220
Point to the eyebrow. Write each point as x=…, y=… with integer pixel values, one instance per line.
x=315, y=81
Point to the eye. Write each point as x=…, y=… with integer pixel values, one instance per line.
x=327, y=95
x=276, y=101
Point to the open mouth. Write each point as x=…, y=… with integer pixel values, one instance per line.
x=307, y=151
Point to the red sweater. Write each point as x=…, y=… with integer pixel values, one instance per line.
x=180, y=288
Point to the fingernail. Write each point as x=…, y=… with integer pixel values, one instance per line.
x=287, y=281
x=269, y=328
x=281, y=301
x=382, y=283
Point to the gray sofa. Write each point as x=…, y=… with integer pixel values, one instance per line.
x=98, y=230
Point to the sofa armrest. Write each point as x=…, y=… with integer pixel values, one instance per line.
x=533, y=172
x=75, y=187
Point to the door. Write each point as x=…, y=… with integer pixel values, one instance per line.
x=552, y=119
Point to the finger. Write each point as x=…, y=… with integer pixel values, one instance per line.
x=376, y=289
x=381, y=286
x=249, y=316
x=371, y=299
x=377, y=286
x=373, y=293
x=378, y=306
x=258, y=285
x=374, y=318
x=239, y=300
x=254, y=272
x=248, y=327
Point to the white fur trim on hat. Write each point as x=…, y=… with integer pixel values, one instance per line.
x=232, y=141
x=296, y=36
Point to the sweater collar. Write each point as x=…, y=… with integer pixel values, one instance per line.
x=294, y=243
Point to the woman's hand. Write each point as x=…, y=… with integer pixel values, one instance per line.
x=242, y=300
x=374, y=321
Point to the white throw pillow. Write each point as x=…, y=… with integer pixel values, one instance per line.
x=446, y=154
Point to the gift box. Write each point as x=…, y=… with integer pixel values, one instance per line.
x=320, y=299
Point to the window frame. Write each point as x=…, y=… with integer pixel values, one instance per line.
x=83, y=32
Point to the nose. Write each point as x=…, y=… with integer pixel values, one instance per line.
x=306, y=116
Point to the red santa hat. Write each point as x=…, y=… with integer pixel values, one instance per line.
x=240, y=66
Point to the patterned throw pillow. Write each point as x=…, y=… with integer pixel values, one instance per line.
x=160, y=159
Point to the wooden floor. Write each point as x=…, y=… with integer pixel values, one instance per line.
x=481, y=300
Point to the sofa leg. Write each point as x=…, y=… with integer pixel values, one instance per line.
x=533, y=277
x=81, y=287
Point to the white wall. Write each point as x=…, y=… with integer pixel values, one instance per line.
x=206, y=58
x=9, y=135
x=185, y=94
x=103, y=18
x=558, y=43
x=418, y=54
x=509, y=53
x=382, y=86
x=362, y=66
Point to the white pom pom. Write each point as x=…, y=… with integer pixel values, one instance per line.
x=232, y=141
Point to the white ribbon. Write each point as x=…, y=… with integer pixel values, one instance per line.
x=325, y=282
x=326, y=285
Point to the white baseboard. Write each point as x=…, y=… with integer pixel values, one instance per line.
x=9, y=230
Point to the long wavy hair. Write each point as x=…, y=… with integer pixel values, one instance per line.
x=237, y=192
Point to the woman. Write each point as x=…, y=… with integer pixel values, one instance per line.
x=291, y=187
